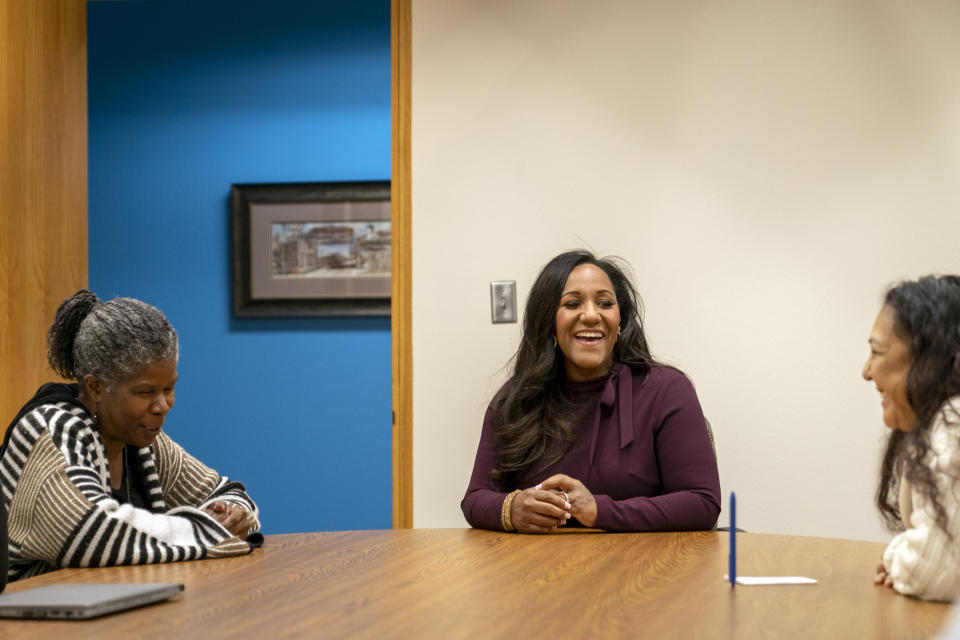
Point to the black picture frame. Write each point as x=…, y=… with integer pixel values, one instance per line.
x=297, y=249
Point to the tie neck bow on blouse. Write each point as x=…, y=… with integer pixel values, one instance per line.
x=618, y=391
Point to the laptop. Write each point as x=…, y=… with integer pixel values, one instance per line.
x=81, y=601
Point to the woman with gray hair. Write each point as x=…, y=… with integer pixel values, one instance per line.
x=87, y=475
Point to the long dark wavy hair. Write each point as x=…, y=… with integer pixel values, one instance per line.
x=927, y=319
x=532, y=414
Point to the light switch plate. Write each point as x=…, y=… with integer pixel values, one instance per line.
x=503, y=301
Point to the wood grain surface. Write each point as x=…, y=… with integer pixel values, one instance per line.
x=465, y=583
x=401, y=303
x=43, y=183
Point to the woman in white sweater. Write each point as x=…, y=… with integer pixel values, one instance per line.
x=915, y=364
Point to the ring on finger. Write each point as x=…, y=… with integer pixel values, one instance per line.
x=566, y=498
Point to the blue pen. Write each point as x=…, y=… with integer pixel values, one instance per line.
x=733, y=539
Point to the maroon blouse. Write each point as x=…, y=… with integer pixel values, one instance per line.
x=641, y=448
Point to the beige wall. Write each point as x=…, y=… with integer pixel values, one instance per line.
x=766, y=167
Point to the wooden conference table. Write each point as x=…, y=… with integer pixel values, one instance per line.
x=450, y=583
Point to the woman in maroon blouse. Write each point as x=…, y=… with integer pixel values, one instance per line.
x=590, y=429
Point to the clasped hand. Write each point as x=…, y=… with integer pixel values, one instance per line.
x=543, y=508
x=882, y=577
x=231, y=517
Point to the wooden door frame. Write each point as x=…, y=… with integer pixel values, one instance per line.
x=401, y=302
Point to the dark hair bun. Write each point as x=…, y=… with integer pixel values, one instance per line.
x=64, y=330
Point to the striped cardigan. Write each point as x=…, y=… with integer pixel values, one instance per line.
x=55, y=483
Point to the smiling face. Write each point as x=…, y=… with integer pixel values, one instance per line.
x=587, y=323
x=887, y=366
x=133, y=411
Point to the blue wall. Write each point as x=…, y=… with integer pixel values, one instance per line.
x=185, y=99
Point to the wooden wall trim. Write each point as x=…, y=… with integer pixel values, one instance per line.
x=43, y=183
x=401, y=307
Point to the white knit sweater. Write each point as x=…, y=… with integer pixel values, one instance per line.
x=922, y=560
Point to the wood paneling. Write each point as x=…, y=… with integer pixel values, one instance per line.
x=43, y=182
x=401, y=311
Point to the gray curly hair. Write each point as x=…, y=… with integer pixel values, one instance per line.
x=113, y=340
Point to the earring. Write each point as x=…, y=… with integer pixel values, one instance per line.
x=554, y=342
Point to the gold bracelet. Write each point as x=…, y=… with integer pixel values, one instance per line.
x=506, y=518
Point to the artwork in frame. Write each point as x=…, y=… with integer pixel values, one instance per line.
x=311, y=248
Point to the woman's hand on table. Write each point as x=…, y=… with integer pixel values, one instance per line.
x=231, y=517
x=582, y=504
x=882, y=576
x=537, y=510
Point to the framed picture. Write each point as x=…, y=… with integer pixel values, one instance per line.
x=311, y=249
